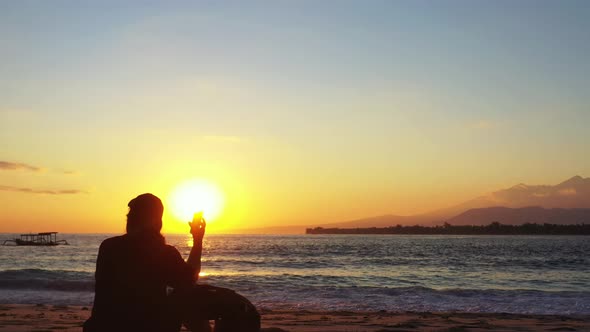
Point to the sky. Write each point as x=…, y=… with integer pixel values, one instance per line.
x=299, y=112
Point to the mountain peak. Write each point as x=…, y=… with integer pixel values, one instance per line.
x=518, y=202
x=520, y=186
x=574, y=180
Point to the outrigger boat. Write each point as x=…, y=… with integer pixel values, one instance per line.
x=39, y=239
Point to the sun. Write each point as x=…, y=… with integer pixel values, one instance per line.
x=195, y=196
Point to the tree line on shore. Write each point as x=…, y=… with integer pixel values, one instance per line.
x=494, y=228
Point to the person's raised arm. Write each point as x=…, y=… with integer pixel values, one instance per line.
x=198, y=231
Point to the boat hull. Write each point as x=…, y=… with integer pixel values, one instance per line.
x=20, y=242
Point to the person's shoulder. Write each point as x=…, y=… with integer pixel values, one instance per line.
x=112, y=242
x=171, y=249
x=171, y=252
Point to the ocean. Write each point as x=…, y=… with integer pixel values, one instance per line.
x=510, y=274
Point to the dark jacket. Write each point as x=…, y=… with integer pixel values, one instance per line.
x=132, y=276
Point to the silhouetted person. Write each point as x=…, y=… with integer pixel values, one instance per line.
x=133, y=272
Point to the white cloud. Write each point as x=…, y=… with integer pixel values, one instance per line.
x=12, y=166
x=42, y=191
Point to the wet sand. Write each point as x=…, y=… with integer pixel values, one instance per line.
x=49, y=318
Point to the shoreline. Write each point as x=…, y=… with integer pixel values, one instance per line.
x=50, y=318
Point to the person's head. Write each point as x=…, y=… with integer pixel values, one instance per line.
x=145, y=214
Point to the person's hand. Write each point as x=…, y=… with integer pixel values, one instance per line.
x=198, y=228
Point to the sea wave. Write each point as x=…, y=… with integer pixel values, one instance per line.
x=273, y=292
x=60, y=280
x=536, y=275
x=422, y=299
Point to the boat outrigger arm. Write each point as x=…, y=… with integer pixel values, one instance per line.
x=39, y=239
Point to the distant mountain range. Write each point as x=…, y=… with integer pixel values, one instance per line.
x=515, y=205
x=517, y=216
x=565, y=203
x=572, y=193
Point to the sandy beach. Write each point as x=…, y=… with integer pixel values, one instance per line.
x=48, y=318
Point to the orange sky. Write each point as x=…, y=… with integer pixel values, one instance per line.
x=252, y=198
